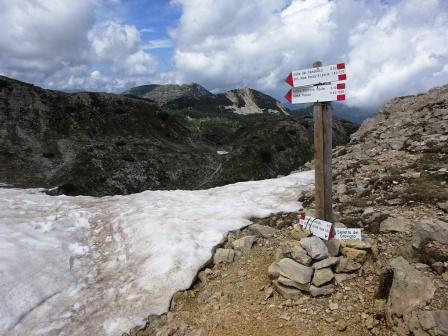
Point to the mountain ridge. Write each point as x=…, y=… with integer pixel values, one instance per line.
x=103, y=144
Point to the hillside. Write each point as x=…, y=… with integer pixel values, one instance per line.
x=103, y=144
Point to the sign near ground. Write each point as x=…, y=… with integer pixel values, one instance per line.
x=317, y=75
x=318, y=93
x=318, y=227
x=347, y=234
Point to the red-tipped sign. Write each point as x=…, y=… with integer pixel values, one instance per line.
x=319, y=75
x=317, y=93
x=289, y=96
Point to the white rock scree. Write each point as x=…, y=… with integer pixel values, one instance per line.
x=99, y=266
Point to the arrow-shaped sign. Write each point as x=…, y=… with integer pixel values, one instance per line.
x=317, y=93
x=319, y=75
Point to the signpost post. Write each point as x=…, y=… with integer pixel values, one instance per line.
x=323, y=129
x=320, y=85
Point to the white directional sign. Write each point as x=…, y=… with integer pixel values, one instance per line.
x=347, y=234
x=318, y=227
x=318, y=93
x=319, y=75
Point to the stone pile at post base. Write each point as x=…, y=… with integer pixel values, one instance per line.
x=308, y=264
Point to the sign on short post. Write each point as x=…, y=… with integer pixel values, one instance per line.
x=317, y=75
x=317, y=93
x=347, y=234
x=318, y=227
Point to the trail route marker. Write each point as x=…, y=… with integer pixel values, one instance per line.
x=317, y=93
x=318, y=227
x=317, y=75
x=347, y=234
x=320, y=85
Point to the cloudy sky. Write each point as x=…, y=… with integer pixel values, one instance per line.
x=390, y=47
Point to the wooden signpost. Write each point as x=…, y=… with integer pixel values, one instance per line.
x=320, y=85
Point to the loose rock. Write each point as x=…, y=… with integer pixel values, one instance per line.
x=261, y=230
x=325, y=263
x=346, y=265
x=321, y=291
x=315, y=247
x=223, y=256
x=322, y=276
x=244, y=244
x=286, y=292
x=295, y=271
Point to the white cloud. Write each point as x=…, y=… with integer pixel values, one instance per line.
x=390, y=49
x=60, y=44
x=39, y=37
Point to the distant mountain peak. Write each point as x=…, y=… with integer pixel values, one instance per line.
x=249, y=101
x=163, y=93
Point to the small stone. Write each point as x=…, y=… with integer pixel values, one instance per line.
x=395, y=224
x=285, y=317
x=268, y=292
x=438, y=267
x=443, y=206
x=341, y=325
x=223, y=256
x=340, y=278
x=445, y=276
x=295, y=271
x=274, y=270
x=325, y=263
x=358, y=256
x=315, y=247
x=290, y=283
x=333, y=306
x=357, y=244
x=370, y=322
x=321, y=291
x=422, y=267
x=244, y=244
x=322, y=276
x=261, y=230
x=286, y=292
x=298, y=233
x=346, y=265
x=333, y=247
x=330, y=319
x=292, y=249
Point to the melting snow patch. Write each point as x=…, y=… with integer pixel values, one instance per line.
x=99, y=266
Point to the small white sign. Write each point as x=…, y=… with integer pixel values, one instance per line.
x=347, y=234
x=318, y=93
x=318, y=227
x=319, y=75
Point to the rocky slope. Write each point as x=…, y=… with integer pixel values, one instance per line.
x=392, y=181
x=102, y=144
x=242, y=101
x=165, y=93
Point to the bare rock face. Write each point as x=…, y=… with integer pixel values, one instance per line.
x=410, y=291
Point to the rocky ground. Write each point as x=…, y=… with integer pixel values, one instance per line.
x=391, y=181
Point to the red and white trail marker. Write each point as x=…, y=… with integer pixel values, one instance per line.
x=319, y=75
x=318, y=93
